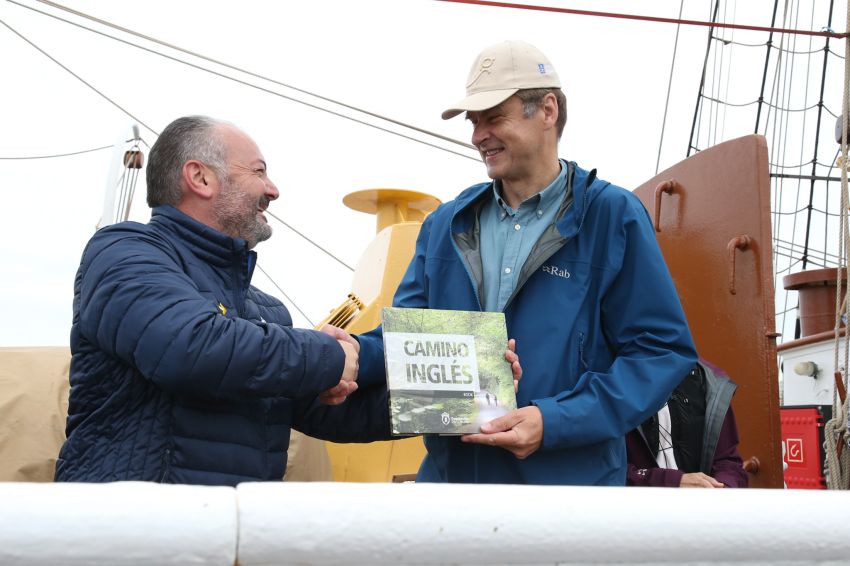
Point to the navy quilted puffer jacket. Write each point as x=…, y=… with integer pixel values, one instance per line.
x=182, y=372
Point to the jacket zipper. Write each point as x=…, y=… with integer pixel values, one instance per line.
x=468, y=274
x=541, y=259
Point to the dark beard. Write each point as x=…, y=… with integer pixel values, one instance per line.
x=242, y=223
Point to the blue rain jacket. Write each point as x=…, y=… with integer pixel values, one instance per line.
x=600, y=332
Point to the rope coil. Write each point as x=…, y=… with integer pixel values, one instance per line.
x=836, y=433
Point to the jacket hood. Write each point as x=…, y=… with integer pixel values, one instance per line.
x=585, y=186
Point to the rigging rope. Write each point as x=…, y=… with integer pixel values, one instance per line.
x=778, y=193
x=273, y=215
x=282, y=292
x=821, y=107
x=766, y=103
x=252, y=74
x=730, y=53
x=809, y=52
x=69, y=154
x=669, y=88
x=246, y=84
x=711, y=24
x=713, y=108
x=738, y=43
x=120, y=215
x=129, y=179
x=783, y=119
x=696, y=125
x=800, y=166
x=790, y=80
x=836, y=430
x=723, y=62
x=79, y=78
x=766, y=65
x=118, y=209
x=791, y=251
x=799, y=210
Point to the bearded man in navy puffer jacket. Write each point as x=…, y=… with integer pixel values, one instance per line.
x=182, y=371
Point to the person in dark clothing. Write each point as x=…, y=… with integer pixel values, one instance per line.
x=693, y=440
x=182, y=371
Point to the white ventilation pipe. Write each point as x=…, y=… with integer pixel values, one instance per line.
x=334, y=523
x=118, y=524
x=132, y=523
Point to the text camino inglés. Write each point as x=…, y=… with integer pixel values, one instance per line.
x=455, y=372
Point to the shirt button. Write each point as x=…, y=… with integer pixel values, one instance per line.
x=539, y=213
x=507, y=270
x=517, y=226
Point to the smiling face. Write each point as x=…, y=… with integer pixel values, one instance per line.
x=506, y=139
x=518, y=150
x=245, y=190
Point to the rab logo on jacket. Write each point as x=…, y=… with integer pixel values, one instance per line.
x=557, y=271
x=222, y=309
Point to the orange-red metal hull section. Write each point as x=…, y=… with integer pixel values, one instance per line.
x=712, y=217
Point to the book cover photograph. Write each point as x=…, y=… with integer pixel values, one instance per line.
x=446, y=370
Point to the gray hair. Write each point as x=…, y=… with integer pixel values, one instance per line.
x=532, y=98
x=184, y=139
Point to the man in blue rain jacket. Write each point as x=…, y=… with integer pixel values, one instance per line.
x=573, y=263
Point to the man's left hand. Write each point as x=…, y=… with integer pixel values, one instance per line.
x=520, y=432
x=337, y=394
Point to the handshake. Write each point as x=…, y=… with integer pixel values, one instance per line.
x=348, y=381
x=351, y=347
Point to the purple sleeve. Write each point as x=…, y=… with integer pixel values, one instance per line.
x=642, y=469
x=653, y=477
x=728, y=467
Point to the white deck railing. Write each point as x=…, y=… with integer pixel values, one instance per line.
x=338, y=523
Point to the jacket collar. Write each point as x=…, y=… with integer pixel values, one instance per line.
x=206, y=243
x=585, y=188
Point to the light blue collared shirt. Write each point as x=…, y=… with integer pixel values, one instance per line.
x=507, y=236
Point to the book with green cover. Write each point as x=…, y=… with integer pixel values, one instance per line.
x=446, y=370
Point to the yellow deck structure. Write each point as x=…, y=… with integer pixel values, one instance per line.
x=399, y=215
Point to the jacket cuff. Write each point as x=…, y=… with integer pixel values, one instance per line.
x=372, y=369
x=551, y=413
x=671, y=478
x=333, y=363
x=730, y=478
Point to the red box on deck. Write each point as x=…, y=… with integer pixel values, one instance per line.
x=802, y=437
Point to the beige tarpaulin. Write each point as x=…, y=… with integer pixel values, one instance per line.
x=33, y=405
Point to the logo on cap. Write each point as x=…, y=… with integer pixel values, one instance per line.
x=482, y=69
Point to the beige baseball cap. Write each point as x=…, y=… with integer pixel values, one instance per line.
x=500, y=71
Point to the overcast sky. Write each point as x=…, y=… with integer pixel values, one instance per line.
x=405, y=59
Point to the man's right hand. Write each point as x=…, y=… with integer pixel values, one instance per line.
x=352, y=361
x=341, y=335
x=348, y=380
